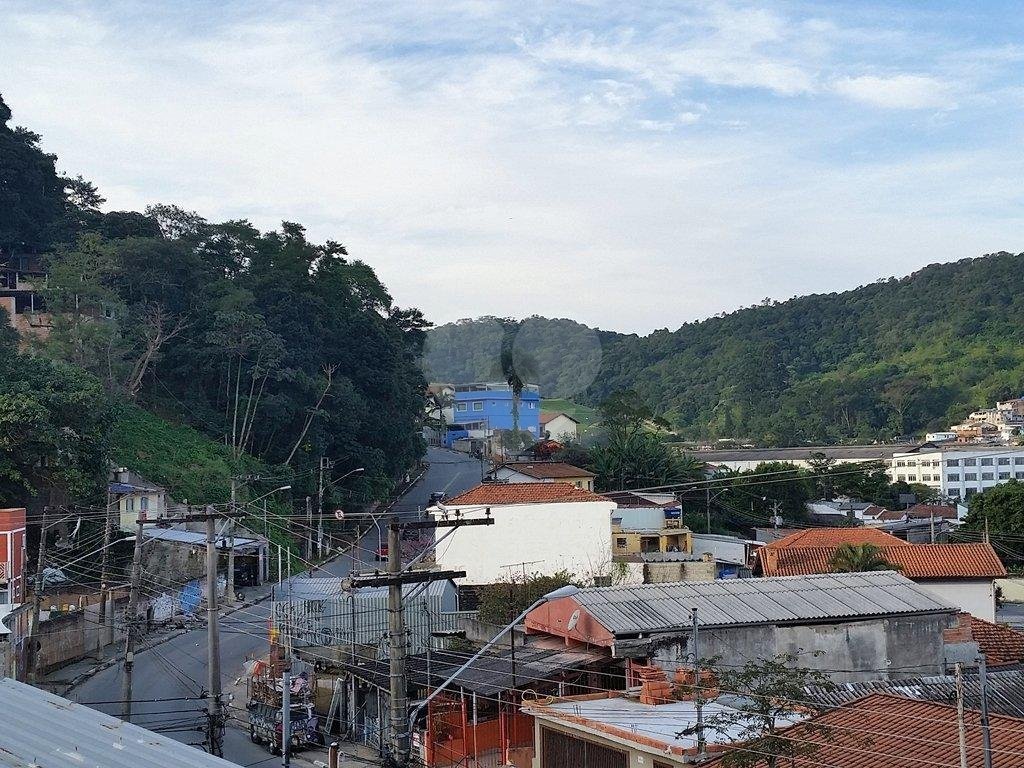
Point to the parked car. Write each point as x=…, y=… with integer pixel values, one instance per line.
x=266, y=726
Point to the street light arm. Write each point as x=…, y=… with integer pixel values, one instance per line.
x=566, y=591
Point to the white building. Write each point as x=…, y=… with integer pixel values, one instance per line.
x=958, y=471
x=538, y=528
x=544, y=472
x=559, y=426
x=745, y=459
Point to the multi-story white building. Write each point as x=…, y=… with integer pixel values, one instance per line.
x=958, y=471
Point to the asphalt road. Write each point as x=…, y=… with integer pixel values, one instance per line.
x=177, y=668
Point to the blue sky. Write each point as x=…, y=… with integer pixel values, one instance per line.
x=633, y=168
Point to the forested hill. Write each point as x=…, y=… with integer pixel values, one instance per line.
x=281, y=349
x=894, y=357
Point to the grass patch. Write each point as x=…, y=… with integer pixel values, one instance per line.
x=584, y=414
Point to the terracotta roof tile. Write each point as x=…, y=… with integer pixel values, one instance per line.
x=887, y=731
x=916, y=561
x=999, y=643
x=546, y=416
x=543, y=470
x=833, y=537
x=504, y=494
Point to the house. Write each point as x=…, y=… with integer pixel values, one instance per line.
x=629, y=544
x=844, y=507
x=958, y=471
x=963, y=574
x=1001, y=645
x=883, y=730
x=176, y=555
x=832, y=537
x=488, y=407
x=849, y=624
x=43, y=730
x=742, y=459
x=938, y=512
x=544, y=472
x=733, y=555
x=136, y=498
x=549, y=527
x=20, y=280
x=12, y=555
x=559, y=426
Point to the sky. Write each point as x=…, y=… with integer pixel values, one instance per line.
x=632, y=166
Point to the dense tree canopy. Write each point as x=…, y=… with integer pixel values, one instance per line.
x=899, y=356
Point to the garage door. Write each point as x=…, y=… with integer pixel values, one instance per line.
x=559, y=750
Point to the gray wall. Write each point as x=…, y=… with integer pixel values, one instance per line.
x=873, y=649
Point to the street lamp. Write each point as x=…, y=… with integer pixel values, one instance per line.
x=567, y=591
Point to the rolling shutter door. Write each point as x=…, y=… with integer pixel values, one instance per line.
x=559, y=750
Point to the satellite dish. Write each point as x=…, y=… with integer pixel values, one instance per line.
x=574, y=620
x=339, y=514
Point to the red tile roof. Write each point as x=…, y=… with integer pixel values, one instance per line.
x=833, y=537
x=999, y=643
x=504, y=494
x=546, y=416
x=887, y=731
x=916, y=561
x=543, y=470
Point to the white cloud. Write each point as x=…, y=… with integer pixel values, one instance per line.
x=898, y=91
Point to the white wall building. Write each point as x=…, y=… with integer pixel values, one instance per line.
x=538, y=528
x=958, y=471
x=559, y=426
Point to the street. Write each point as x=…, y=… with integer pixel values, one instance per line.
x=175, y=670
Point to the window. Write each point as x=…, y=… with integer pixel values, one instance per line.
x=987, y=476
x=926, y=478
x=1019, y=460
x=970, y=476
x=901, y=463
x=144, y=504
x=1004, y=475
x=1019, y=475
x=954, y=493
x=970, y=462
x=901, y=477
x=1003, y=462
x=952, y=462
x=953, y=478
x=620, y=543
x=971, y=492
x=531, y=404
x=986, y=462
x=462, y=407
x=478, y=405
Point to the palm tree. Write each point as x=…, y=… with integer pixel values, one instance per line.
x=515, y=367
x=859, y=558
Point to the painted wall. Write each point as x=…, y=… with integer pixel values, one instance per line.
x=510, y=475
x=551, y=537
x=976, y=596
x=896, y=647
x=495, y=407
x=12, y=544
x=562, y=428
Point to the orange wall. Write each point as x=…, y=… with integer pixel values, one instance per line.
x=553, y=618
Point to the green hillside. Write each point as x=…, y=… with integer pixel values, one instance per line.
x=895, y=357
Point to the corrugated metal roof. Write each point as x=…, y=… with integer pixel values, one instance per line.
x=792, y=599
x=193, y=537
x=42, y=730
x=325, y=588
x=1005, y=687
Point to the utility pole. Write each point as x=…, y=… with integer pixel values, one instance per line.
x=394, y=580
x=325, y=464
x=707, y=508
x=37, y=602
x=212, y=635
x=130, y=629
x=931, y=519
x=698, y=698
x=286, y=719
x=961, y=726
x=309, y=529
x=986, y=735
x=104, y=576
x=229, y=592
x=398, y=648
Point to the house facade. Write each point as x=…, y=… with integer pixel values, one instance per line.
x=488, y=405
x=135, y=498
x=958, y=471
x=539, y=527
x=544, y=472
x=559, y=426
x=12, y=555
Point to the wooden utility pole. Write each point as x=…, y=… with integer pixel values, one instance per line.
x=104, y=576
x=325, y=464
x=698, y=697
x=309, y=529
x=37, y=602
x=286, y=719
x=961, y=726
x=130, y=627
x=212, y=636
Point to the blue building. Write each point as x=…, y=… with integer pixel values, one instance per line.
x=486, y=407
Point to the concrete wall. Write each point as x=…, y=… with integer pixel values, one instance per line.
x=552, y=537
x=977, y=597
x=168, y=564
x=877, y=648
x=639, y=756
x=664, y=573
